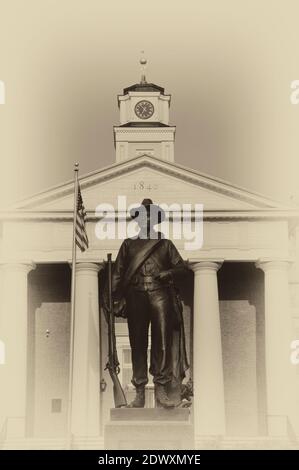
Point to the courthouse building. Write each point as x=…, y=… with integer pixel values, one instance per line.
x=241, y=301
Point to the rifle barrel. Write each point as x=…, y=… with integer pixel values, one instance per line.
x=118, y=393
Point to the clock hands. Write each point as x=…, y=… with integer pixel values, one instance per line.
x=144, y=109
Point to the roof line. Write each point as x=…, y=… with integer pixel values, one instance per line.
x=162, y=163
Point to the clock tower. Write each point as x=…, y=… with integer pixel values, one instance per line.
x=144, y=122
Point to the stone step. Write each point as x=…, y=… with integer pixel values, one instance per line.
x=149, y=414
x=88, y=443
x=244, y=443
x=33, y=444
x=149, y=436
x=84, y=443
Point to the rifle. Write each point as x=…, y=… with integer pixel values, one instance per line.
x=113, y=363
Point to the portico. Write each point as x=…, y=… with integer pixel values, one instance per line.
x=239, y=317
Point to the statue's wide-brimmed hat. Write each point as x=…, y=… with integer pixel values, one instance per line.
x=156, y=212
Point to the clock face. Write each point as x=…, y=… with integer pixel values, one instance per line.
x=144, y=109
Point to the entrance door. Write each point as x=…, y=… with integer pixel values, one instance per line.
x=48, y=345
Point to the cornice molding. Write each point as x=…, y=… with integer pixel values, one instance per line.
x=60, y=216
x=144, y=130
x=168, y=168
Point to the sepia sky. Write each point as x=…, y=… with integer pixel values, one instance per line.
x=227, y=64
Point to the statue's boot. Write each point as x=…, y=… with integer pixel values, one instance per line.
x=139, y=400
x=162, y=397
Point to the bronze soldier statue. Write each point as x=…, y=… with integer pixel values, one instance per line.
x=143, y=275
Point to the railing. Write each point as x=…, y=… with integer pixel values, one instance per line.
x=3, y=432
x=9, y=420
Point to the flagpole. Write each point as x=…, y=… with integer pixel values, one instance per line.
x=72, y=331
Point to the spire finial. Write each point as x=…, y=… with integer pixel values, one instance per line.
x=143, y=63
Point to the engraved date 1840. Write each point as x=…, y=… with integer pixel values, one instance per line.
x=143, y=186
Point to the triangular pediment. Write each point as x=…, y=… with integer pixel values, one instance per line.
x=146, y=176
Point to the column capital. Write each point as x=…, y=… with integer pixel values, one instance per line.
x=18, y=265
x=267, y=264
x=205, y=265
x=87, y=266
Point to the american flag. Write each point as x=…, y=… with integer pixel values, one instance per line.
x=81, y=234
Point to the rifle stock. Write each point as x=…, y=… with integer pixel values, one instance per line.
x=113, y=363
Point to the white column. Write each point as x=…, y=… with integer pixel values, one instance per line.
x=13, y=333
x=86, y=373
x=278, y=336
x=209, y=408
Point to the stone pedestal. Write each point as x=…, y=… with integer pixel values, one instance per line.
x=149, y=414
x=149, y=428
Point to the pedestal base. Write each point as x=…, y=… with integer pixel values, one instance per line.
x=149, y=428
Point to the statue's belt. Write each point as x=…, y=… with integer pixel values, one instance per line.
x=146, y=282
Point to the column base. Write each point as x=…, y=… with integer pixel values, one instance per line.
x=277, y=426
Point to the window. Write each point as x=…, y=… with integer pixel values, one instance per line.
x=56, y=405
